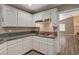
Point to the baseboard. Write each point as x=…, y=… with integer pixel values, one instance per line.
x=33, y=50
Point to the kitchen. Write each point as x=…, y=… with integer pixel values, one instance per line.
x=33, y=29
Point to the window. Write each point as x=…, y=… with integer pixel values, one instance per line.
x=62, y=27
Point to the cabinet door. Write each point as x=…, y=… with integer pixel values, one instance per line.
x=47, y=14
x=36, y=43
x=13, y=49
x=43, y=48
x=50, y=49
x=37, y=16
x=29, y=20
x=50, y=46
x=26, y=44
x=43, y=45
x=24, y=19
x=9, y=17
x=3, y=51
x=20, y=46
x=50, y=41
x=54, y=16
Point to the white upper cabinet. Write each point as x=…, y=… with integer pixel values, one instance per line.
x=54, y=16
x=48, y=14
x=38, y=16
x=42, y=15
x=9, y=16
x=24, y=19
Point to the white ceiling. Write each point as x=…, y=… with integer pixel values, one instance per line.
x=35, y=7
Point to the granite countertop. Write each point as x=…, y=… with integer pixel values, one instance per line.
x=9, y=38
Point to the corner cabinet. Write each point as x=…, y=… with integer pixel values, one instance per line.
x=8, y=16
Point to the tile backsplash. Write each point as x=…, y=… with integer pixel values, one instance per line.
x=17, y=29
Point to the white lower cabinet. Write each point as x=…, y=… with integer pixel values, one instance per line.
x=3, y=51
x=3, y=45
x=51, y=47
x=27, y=44
x=43, y=48
x=13, y=49
x=20, y=47
x=36, y=44
x=12, y=42
x=43, y=45
x=23, y=45
x=3, y=48
x=50, y=50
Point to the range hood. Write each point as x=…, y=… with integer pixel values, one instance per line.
x=45, y=20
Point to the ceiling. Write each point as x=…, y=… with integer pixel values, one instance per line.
x=34, y=8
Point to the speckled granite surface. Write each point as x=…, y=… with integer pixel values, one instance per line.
x=12, y=36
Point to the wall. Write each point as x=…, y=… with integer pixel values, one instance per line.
x=69, y=26
x=17, y=29
x=46, y=27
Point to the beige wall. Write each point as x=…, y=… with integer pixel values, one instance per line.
x=69, y=26
x=47, y=27
x=17, y=29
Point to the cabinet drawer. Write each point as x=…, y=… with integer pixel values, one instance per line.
x=12, y=42
x=44, y=40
